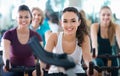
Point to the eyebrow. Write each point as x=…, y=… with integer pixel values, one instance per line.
x=70, y=19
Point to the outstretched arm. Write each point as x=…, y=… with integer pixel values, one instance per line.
x=117, y=32
x=6, y=50
x=86, y=50
x=48, y=47
x=86, y=53
x=50, y=43
x=93, y=35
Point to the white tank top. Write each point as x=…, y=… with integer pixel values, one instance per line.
x=76, y=55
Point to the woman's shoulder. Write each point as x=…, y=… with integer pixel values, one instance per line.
x=95, y=25
x=54, y=36
x=10, y=31
x=117, y=26
x=9, y=34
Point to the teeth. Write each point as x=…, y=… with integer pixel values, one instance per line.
x=69, y=29
x=23, y=23
x=36, y=20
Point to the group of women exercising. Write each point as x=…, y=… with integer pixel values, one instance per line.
x=74, y=40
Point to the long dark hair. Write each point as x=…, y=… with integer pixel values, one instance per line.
x=82, y=29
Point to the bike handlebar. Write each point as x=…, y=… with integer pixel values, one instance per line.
x=107, y=56
x=100, y=69
x=19, y=68
x=23, y=68
x=61, y=60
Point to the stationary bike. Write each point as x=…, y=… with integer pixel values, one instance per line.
x=61, y=60
x=24, y=69
x=104, y=70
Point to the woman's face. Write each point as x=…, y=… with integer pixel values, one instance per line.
x=23, y=18
x=70, y=22
x=37, y=17
x=105, y=16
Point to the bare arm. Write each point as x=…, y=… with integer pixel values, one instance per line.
x=50, y=44
x=6, y=49
x=93, y=33
x=117, y=32
x=47, y=35
x=86, y=54
x=48, y=47
x=86, y=50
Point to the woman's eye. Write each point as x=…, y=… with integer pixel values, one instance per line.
x=108, y=14
x=65, y=21
x=39, y=14
x=73, y=21
x=26, y=17
x=103, y=14
x=20, y=17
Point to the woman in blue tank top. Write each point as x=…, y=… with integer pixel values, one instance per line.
x=102, y=36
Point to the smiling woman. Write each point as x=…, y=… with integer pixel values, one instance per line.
x=74, y=41
x=103, y=35
x=15, y=47
x=38, y=23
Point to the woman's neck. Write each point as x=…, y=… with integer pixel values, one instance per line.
x=69, y=37
x=23, y=30
x=104, y=25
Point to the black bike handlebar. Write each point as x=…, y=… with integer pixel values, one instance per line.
x=62, y=60
x=107, y=56
x=103, y=68
x=23, y=68
x=100, y=69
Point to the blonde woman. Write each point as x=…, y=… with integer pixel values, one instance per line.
x=102, y=36
x=38, y=24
